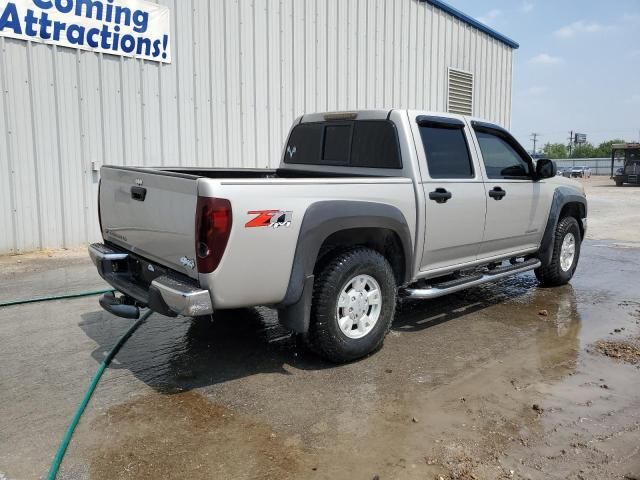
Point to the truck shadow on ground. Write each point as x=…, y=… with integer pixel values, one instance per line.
x=180, y=354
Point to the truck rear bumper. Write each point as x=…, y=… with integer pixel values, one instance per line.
x=168, y=293
x=628, y=178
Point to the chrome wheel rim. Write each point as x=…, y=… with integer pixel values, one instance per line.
x=358, y=306
x=567, y=252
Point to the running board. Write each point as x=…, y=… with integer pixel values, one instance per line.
x=445, y=288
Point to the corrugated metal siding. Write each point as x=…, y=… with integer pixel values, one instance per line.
x=242, y=71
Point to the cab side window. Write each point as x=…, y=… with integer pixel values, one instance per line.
x=447, y=152
x=501, y=159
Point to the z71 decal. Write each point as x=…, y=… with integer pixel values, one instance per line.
x=269, y=218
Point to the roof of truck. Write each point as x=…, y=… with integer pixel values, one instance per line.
x=373, y=114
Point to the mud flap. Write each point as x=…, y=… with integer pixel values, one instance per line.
x=296, y=317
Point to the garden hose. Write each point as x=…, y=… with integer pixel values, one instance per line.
x=57, y=460
x=55, y=297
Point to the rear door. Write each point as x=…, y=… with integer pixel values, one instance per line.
x=517, y=206
x=454, y=193
x=151, y=213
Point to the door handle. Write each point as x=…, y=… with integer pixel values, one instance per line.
x=497, y=193
x=138, y=193
x=440, y=195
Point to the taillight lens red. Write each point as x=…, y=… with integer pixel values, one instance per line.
x=213, y=227
x=99, y=212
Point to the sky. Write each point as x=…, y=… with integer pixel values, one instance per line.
x=577, y=68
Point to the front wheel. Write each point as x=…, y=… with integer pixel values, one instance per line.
x=566, y=252
x=354, y=298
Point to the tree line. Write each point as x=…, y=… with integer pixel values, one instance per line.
x=585, y=150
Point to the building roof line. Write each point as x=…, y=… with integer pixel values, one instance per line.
x=473, y=22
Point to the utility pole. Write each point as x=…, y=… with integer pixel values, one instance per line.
x=570, y=142
x=534, y=138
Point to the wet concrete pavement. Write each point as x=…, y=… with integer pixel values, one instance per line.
x=451, y=394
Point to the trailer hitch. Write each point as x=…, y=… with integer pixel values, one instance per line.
x=123, y=306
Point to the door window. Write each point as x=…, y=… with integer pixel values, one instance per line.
x=501, y=159
x=447, y=152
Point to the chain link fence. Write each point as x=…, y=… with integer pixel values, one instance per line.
x=598, y=166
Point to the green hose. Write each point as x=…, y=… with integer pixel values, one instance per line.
x=55, y=297
x=57, y=460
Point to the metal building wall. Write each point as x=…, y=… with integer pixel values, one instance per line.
x=242, y=71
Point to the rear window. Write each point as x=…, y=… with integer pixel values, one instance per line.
x=360, y=143
x=337, y=143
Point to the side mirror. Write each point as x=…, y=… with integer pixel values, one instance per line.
x=546, y=168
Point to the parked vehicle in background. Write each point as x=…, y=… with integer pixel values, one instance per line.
x=563, y=172
x=630, y=172
x=365, y=206
x=581, y=172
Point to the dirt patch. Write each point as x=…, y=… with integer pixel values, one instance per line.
x=614, y=212
x=41, y=260
x=186, y=436
x=626, y=351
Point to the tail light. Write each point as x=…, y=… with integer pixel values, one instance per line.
x=213, y=226
x=99, y=212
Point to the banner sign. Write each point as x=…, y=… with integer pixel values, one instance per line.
x=580, y=138
x=130, y=28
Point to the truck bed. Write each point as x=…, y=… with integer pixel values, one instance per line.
x=259, y=173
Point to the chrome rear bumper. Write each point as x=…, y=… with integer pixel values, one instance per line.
x=167, y=294
x=183, y=299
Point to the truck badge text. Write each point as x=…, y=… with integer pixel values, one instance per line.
x=269, y=218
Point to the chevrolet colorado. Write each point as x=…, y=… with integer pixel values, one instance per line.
x=365, y=206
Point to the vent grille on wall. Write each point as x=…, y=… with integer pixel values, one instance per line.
x=460, y=92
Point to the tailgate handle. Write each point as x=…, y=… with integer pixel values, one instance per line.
x=138, y=193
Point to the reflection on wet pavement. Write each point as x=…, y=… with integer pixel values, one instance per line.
x=177, y=354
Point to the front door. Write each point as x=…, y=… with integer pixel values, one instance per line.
x=454, y=194
x=517, y=206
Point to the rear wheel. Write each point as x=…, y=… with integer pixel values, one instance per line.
x=354, y=299
x=618, y=183
x=566, y=252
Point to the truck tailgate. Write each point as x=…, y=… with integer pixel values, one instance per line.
x=151, y=213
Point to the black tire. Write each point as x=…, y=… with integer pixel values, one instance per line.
x=618, y=183
x=552, y=275
x=325, y=336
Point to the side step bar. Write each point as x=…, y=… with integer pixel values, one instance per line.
x=445, y=288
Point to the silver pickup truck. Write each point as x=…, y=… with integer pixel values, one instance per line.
x=365, y=207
